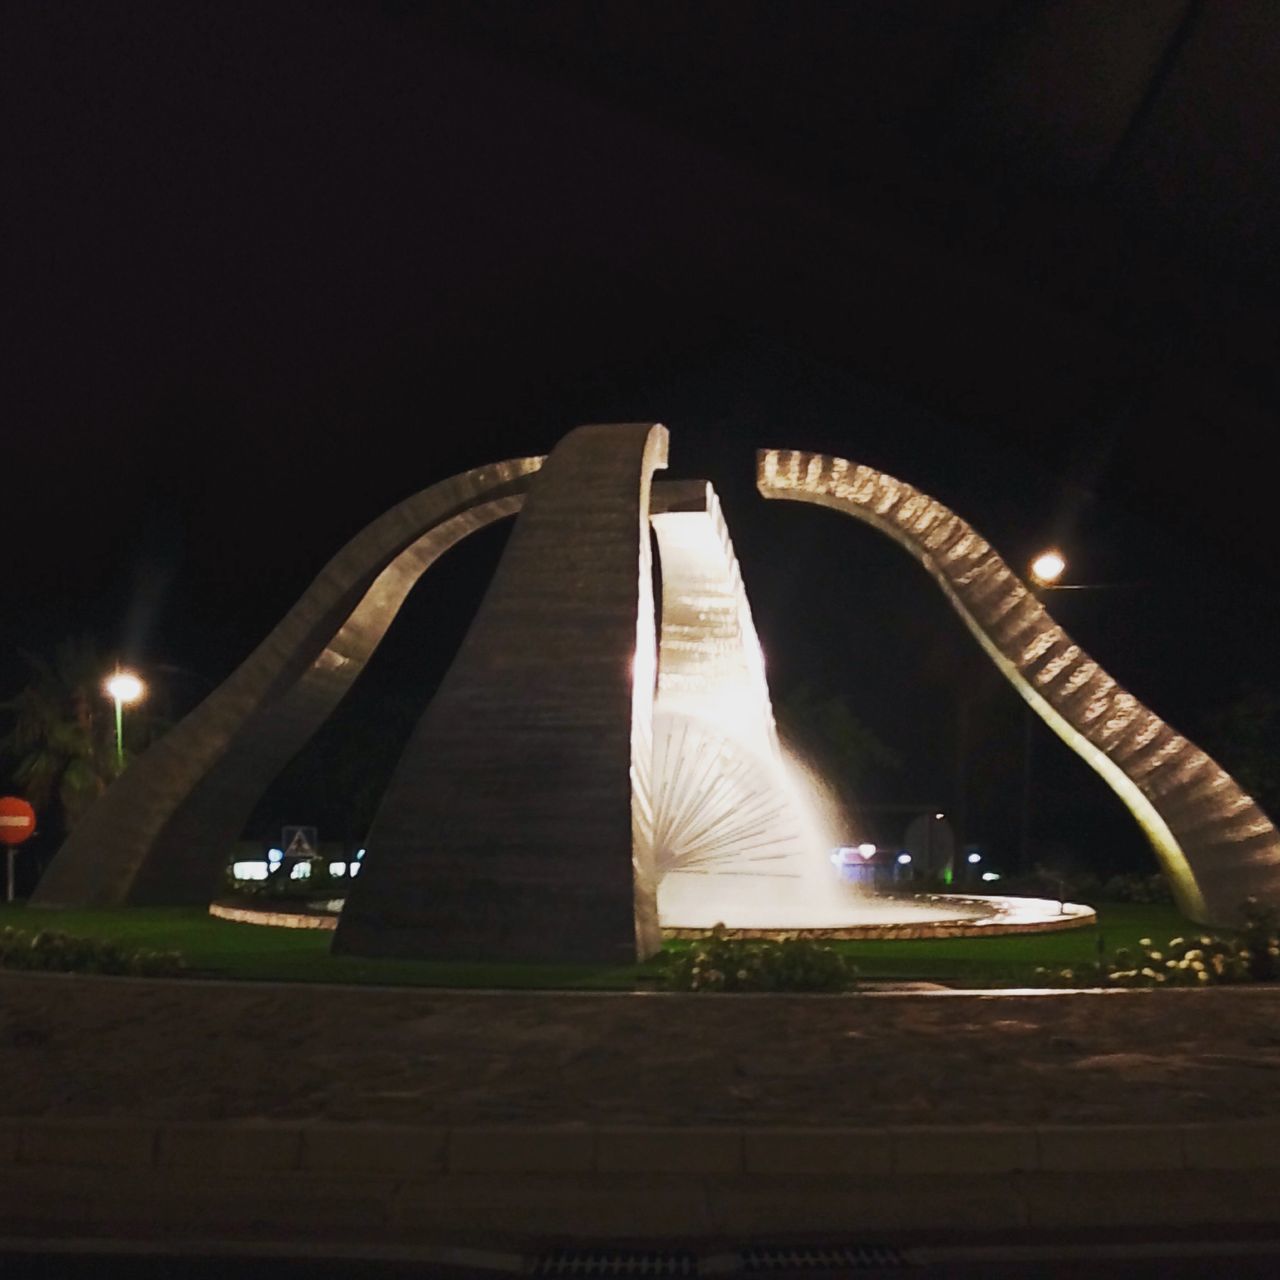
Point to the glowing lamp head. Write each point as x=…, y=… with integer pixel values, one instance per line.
x=975, y=857
x=904, y=859
x=1047, y=567
x=867, y=850
x=124, y=687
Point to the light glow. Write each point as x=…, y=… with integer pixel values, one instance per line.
x=255, y=870
x=275, y=856
x=300, y=871
x=867, y=850
x=1048, y=567
x=903, y=859
x=975, y=857
x=124, y=687
x=337, y=868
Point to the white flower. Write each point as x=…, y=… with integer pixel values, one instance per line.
x=1144, y=942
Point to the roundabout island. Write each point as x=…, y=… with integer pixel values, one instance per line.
x=597, y=773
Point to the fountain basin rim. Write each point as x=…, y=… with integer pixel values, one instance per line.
x=1003, y=916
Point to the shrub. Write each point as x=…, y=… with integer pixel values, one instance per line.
x=718, y=962
x=1252, y=955
x=280, y=886
x=1083, y=886
x=1152, y=888
x=63, y=953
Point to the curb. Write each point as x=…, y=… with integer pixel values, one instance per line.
x=385, y=1185
x=394, y=1151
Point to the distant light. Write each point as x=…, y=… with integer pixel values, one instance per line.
x=256, y=870
x=337, y=868
x=867, y=850
x=1047, y=567
x=354, y=868
x=938, y=817
x=991, y=875
x=300, y=871
x=125, y=687
x=975, y=857
x=275, y=855
x=903, y=859
x=359, y=853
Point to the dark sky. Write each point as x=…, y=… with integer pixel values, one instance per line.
x=271, y=267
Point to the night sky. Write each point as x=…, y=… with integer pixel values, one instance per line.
x=272, y=267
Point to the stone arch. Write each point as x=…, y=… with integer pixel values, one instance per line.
x=1214, y=842
x=160, y=833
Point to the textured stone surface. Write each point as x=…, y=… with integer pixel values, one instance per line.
x=160, y=833
x=520, y=1150
x=517, y=824
x=181, y=1051
x=1115, y=1147
x=683, y=1150
x=818, y=1151
x=223, y=1147
x=381, y=1148
x=526, y=1116
x=1214, y=842
x=964, y=1149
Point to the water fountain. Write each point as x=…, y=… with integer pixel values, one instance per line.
x=575, y=789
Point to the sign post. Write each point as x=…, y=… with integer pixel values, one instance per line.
x=17, y=822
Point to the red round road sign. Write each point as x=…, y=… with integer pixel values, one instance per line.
x=17, y=820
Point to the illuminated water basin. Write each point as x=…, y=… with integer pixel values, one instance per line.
x=757, y=908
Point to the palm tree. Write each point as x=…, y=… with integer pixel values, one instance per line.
x=60, y=731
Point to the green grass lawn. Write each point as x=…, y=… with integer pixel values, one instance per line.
x=221, y=949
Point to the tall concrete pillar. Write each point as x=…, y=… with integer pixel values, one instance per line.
x=518, y=823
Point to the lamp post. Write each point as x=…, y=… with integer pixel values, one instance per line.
x=123, y=687
x=1045, y=570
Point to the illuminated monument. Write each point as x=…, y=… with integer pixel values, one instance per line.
x=580, y=779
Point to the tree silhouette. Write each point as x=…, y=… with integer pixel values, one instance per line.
x=60, y=736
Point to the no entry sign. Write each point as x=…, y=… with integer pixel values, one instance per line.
x=17, y=820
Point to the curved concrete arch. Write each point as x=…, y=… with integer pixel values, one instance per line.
x=518, y=824
x=1214, y=842
x=161, y=832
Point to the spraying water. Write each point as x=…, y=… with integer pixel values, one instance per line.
x=743, y=828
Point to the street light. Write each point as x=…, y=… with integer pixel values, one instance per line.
x=123, y=687
x=1047, y=568
x=1044, y=571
